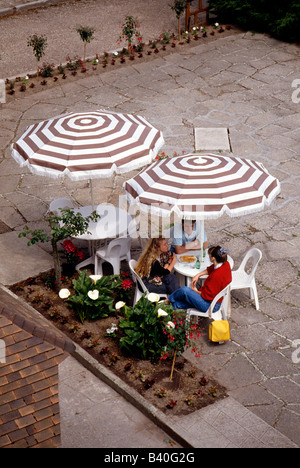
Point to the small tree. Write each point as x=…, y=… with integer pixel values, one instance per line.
x=38, y=44
x=179, y=6
x=130, y=32
x=86, y=35
x=61, y=226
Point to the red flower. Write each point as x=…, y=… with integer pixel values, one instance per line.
x=127, y=284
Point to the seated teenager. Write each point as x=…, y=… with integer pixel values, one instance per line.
x=186, y=236
x=219, y=276
x=155, y=267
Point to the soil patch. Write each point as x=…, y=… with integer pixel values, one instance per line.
x=189, y=389
x=100, y=64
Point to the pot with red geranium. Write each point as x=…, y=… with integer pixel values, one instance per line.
x=72, y=255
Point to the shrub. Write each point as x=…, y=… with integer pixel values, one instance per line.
x=143, y=330
x=93, y=299
x=280, y=19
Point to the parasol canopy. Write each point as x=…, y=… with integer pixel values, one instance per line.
x=202, y=186
x=88, y=145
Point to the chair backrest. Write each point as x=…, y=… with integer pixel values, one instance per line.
x=119, y=247
x=136, y=277
x=63, y=203
x=226, y=303
x=255, y=255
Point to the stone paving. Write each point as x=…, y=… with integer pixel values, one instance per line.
x=243, y=83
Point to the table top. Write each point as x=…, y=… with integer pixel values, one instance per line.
x=114, y=222
x=188, y=269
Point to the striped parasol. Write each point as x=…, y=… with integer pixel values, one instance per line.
x=88, y=145
x=202, y=186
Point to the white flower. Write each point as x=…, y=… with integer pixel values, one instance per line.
x=116, y=53
x=64, y=293
x=93, y=294
x=161, y=313
x=119, y=305
x=95, y=278
x=216, y=24
x=153, y=297
x=170, y=325
x=26, y=77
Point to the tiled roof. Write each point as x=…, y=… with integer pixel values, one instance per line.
x=29, y=400
x=30, y=320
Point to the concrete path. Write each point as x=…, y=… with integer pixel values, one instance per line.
x=243, y=83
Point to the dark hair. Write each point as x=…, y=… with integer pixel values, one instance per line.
x=193, y=221
x=218, y=253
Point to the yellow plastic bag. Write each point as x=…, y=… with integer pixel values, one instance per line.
x=219, y=330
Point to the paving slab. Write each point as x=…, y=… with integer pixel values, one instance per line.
x=19, y=261
x=212, y=139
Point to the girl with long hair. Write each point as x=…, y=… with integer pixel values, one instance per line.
x=155, y=267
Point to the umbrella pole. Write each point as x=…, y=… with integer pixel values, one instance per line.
x=92, y=195
x=201, y=238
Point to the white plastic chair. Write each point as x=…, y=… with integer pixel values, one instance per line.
x=117, y=250
x=140, y=287
x=242, y=279
x=222, y=314
x=60, y=203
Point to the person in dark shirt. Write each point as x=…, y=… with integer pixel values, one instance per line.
x=155, y=267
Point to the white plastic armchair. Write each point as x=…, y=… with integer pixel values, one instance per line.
x=60, y=203
x=222, y=314
x=117, y=250
x=140, y=287
x=242, y=279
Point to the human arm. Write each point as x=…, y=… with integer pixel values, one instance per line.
x=194, y=245
x=196, y=277
x=170, y=265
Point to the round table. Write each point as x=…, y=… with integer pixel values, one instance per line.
x=186, y=271
x=113, y=223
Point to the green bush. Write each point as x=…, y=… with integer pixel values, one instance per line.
x=144, y=329
x=92, y=299
x=281, y=19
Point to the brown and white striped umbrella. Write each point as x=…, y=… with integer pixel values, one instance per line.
x=88, y=145
x=202, y=186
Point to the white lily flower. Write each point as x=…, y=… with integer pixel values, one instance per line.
x=216, y=24
x=161, y=313
x=64, y=293
x=119, y=305
x=170, y=325
x=93, y=294
x=153, y=297
x=95, y=278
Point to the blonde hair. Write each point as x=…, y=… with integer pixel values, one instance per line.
x=144, y=264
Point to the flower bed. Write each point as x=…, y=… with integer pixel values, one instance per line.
x=74, y=68
x=187, y=391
